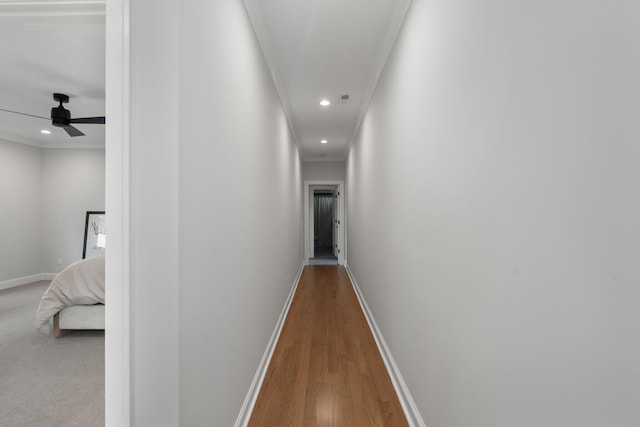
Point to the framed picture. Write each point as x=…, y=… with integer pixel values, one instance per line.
x=94, y=234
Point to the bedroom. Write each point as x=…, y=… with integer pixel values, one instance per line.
x=48, y=181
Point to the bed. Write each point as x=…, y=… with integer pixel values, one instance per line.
x=74, y=300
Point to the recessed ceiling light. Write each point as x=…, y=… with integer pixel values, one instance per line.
x=324, y=141
x=45, y=131
x=325, y=103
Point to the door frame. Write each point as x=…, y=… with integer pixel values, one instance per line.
x=335, y=231
x=117, y=185
x=308, y=218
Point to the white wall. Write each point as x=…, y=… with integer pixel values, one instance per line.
x=493, y=211
x=240, y=210
x=20, y=210
x=151, y=285
x=215, y=217
x=72, y=184
x=318, y=171
x=44, y=195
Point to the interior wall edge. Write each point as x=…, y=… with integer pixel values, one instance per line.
x=117, y=197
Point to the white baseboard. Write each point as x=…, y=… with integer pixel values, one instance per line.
x=7, y=284
x=406, y=400
x=256, y=384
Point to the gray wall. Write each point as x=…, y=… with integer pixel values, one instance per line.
x=216, y=221
x=496, y=237
x=72, y=184
x=44, y=195
x=329, y=171
x=20, y=210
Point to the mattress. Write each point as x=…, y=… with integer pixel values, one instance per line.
x=82, y=317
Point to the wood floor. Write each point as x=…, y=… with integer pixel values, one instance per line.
x=326, y=369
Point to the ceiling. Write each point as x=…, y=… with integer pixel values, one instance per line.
x=51, y=46
x=319, y=49
x=315, y=49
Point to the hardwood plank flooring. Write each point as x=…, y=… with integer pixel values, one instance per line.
x=326, y=369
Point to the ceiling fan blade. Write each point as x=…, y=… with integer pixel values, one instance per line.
x=73, y=131
x=24, y=114
x=89, y=120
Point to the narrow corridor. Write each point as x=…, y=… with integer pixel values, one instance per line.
x=326, y=369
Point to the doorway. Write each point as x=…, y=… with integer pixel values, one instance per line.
x=323, y=227
x=324, y=222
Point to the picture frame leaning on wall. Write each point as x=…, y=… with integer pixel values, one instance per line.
x=94, y=234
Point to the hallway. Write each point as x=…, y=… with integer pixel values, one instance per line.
x=326, y=369
x=490, y=180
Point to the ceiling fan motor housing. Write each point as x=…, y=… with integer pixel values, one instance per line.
x=60, y=116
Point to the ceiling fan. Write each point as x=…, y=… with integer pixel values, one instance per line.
x=61, y=117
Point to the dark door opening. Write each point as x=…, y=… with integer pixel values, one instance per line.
x=323, y=213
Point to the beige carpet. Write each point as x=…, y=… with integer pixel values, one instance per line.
x=46, y=381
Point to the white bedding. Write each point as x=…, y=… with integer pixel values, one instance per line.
x=81, y=283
